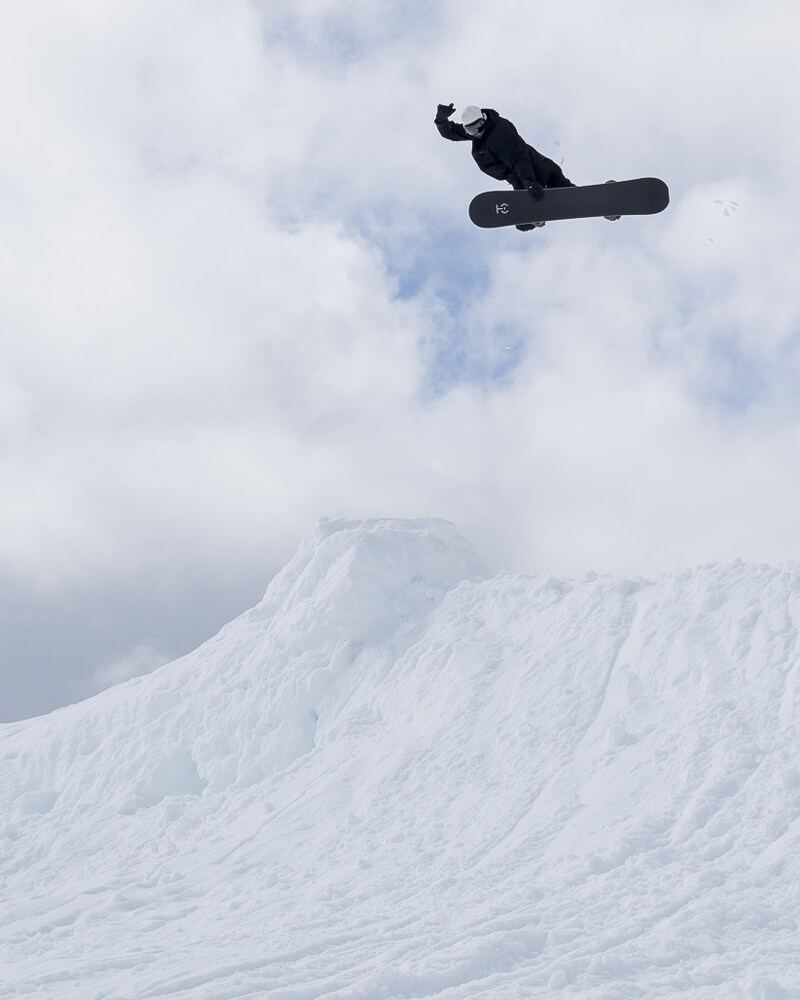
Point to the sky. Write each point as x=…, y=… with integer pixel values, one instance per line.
x=239, y=292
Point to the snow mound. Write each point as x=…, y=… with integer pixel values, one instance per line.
x=397, y=776
x=246, y=703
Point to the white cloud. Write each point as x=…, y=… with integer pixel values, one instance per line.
x=240, y=289
x=142, y=659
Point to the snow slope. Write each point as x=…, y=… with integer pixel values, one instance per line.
x=400, y=777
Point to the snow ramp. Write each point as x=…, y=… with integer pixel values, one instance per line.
x=400, y=776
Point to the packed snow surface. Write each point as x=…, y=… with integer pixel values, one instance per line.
x=398, y=777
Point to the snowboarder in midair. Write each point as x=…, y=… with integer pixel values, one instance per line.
x=501, y=152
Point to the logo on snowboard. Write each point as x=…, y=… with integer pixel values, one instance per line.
x=501, y=208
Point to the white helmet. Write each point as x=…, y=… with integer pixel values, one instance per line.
x=471, y=114
x=473, y=119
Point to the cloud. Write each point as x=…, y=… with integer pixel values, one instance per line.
x=241, y=290
x=142, y=659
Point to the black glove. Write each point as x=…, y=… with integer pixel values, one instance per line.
x=443, y=112
x=535, y=190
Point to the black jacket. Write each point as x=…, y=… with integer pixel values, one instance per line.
x=502, y=153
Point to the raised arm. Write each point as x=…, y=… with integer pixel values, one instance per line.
x=448, y=129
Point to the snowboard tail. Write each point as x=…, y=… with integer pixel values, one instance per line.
x=642, y=196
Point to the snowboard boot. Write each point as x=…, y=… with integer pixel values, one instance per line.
x=526, y=227
x=612, y=218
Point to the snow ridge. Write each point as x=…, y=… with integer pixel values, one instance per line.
x=398, y=776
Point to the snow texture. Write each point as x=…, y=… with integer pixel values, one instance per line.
x=399, y=777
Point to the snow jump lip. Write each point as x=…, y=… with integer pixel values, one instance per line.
x=640, y=196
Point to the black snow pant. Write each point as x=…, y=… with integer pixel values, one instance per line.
x=548, y=173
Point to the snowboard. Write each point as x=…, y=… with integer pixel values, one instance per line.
x=642, y=196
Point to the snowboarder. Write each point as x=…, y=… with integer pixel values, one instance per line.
x=501, y=152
